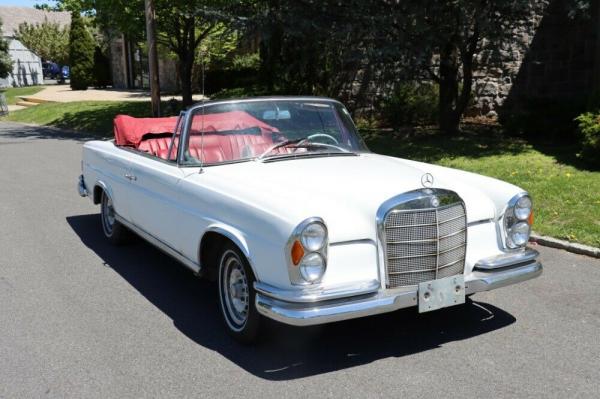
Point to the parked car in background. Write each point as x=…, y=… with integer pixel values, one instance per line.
x=281, y=203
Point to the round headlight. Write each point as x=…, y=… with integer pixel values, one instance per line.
x=312, y=267
x=314, y=236
x=519, y=233
x=523, y=208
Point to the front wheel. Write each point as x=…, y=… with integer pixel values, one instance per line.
x=237, y=295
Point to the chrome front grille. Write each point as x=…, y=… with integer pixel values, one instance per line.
x=424, y=244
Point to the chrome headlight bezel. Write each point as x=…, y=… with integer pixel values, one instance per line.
x=513, y=218
x=302, y=235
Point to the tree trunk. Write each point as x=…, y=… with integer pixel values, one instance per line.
x=186, y=65
x=449, y=118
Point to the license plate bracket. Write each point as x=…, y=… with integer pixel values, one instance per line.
x=441, y=293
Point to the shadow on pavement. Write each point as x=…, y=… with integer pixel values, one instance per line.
x=284, y=352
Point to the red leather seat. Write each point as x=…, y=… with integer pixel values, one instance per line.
x=212, y=148
x=218, y=144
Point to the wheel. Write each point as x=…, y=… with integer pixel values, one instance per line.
x=237, y=295
x=116, y=233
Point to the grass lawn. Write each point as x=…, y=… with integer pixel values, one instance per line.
x=87, y=116
x=13, y=92
x=566, y=196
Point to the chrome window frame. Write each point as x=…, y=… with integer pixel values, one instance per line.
x=194, y=108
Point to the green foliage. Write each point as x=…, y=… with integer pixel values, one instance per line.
x=6, y=63
x=565, y=197
x=94, y=117
x=81, y=53
x=589, y=128
x=540, y=118
x=411, y=103
x=13, y=93
x=48, y=40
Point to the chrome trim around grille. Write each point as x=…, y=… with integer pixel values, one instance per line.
x=421, y=242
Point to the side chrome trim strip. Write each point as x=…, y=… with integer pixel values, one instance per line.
x=350, y=242
x=476, y=222
x=160, y=245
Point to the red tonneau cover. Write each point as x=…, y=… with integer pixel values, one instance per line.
x=130, y=131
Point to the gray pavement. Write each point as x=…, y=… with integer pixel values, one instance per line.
x=82, y=319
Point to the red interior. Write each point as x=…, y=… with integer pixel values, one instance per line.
x=154, y=135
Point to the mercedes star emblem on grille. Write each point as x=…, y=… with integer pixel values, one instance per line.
x=427, y=180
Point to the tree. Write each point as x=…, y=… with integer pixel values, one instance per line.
x=182, y=26
x=48, y=40
x=81, y=53
x=6, y=63
x=455, y=30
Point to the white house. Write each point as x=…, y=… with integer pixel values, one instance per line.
x=27, y=66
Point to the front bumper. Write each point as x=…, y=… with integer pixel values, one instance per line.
x=510, y=269
x=81, y=189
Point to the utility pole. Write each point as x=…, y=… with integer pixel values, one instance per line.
x=152, y=57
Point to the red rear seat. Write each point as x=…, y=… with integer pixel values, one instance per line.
x=216, y=147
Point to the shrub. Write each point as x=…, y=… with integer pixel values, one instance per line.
x=589, y=128
x=81, y=53
x=411, y=104
x=6, y=63
x=541, y=118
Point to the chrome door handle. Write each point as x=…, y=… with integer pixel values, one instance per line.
x=130, y=177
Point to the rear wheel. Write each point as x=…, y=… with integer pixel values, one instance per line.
x=112, y=228
x=237, y=295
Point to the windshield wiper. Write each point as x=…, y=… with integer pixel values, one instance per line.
x=298, y=143
x=315, y=144
x=276, y=146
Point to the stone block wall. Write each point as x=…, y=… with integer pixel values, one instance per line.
x=551, y=56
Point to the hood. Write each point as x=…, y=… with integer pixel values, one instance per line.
x=345, y=191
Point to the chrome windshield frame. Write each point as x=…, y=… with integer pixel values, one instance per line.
x=189, y=112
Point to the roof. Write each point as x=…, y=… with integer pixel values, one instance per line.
x=12, y=17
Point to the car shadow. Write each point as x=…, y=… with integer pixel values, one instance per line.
x=284, y=352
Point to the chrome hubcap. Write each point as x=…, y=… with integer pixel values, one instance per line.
x=108, y=215
x=235, y=289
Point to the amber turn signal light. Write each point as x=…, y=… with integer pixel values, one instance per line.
x=530, y=218
x=297, y=252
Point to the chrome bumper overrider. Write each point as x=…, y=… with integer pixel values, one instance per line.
x=304, y=313
x=81, y=187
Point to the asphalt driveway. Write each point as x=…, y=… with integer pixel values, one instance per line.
x=80, y=318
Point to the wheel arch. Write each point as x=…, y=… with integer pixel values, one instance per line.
x=99, y=187
x=211, y=241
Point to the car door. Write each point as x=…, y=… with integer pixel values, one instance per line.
x=154, y=202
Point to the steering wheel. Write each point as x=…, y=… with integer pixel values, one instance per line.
x=327, y=136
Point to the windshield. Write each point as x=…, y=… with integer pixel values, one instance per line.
x=269, y=130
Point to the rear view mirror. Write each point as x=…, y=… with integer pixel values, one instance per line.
x=275, y=115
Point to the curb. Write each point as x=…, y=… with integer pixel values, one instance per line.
x=566, y=245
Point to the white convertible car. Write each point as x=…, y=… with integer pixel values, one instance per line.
x=279, y=200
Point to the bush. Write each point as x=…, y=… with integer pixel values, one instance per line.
x=541, y=118
x=81, y=53
x=6, y=63
x=411, y=104
x=589, y=128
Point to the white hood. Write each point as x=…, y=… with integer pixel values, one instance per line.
x=345, y=191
